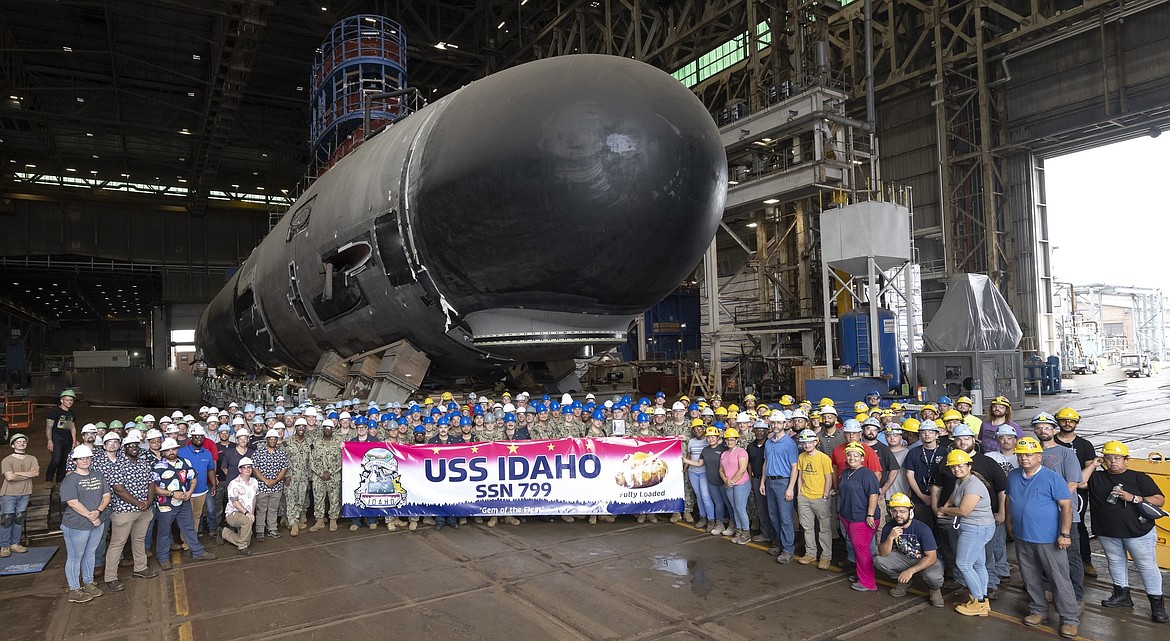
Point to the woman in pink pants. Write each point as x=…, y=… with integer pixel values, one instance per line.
x=857, y=490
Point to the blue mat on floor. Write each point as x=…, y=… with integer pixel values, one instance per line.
x=34, y=560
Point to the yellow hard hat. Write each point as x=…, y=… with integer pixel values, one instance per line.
x=855, y=447
x=825, y=401
x=428, y=401
x=733, y=408
x=712, y=431
x=1069, y=414
x=787, y=399
x=720, y=411
x=887, y=412
x=763, y=411
x=684, y=399
x=750, y=397
x=448, y=397
x=731, y=432
x=911, y=425
x=862, y=417
x=899, y=500
x=957, y=457
x=895, y=407
x=703, y=405
x=965, y=399
x=860, y=407
x=1115, y=447
x=875, y=410
x=696, y=422
x=952, y=415
x=1028, y=445
x=1000, y=400
x=930, y=407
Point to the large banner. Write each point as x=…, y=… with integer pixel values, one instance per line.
x=513, y=478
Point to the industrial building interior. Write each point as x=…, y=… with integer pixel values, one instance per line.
x=880, y=155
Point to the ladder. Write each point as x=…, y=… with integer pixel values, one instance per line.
x=863, y=351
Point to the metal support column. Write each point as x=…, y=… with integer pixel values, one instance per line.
x=711, y=284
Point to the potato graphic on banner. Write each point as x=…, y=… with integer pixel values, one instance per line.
x=640, y=470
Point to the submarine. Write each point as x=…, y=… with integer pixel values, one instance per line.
x=526, y=217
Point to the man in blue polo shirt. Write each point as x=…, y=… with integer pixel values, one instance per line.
x=199, y=456
x=1039, y=517
x=778, y=485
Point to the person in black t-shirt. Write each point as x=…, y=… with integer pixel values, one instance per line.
x=1116, y=493
x=1067, y=420
x=61, y=434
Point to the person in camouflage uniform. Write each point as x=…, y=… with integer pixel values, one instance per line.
x=297, y=448
x=325, y=477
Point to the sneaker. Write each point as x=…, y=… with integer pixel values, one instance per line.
x=861, y=588
x=115, y=586
x=974, y=608
x=491, y=522
x=5, y=552
x=1068, y=630
x=729, y=530
x=785, y=558
x=898, y=591
x=641, y=518
x=1090, y=570
x=148, y=573
x=259, y=536
x=688, y=517
x=715, y=529
x=774, y=550
x=92, y=589
x=511, y=520
x=824, y=564
x=701, y=524
x=79, y=596
x=244, y=551
x=412, y=526
x=993, y=593
x=742, y=539
x=807, y=560
x=760, y=538
x=164, y=564
x=274, y=535
x=1035, y=619
x=353, y=528
x=18, y=548
x=208, y=555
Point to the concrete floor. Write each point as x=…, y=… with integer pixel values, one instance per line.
x=557, y=580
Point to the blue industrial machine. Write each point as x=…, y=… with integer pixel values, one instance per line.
x=855, y=346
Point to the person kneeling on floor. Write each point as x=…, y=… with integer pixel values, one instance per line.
x=907, y=548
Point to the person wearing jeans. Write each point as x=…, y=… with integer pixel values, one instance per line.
x=778, y=485
x=1117, y=494
x=733, y=470
x=84, y=495
x=970, y=505
x=19, y=469
x=711, y=459
x=174, y=484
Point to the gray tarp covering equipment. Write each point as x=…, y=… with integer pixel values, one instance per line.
x=973, y=317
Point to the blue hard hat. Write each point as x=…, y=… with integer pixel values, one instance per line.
x=403, y=421
x=386, y=416
x=694, y=407
x=333, y=415
x=546, y=398
x=567, y=410
x=626, y=398
x=443, y=420
x=576, y=405
x=642, y=418
x=598, y=415
x=452, y=406
x=509, y=418
x=720, y=425
x=643, y=401
x=360, y=420
x=554, y=406
x=463, y=420
x=589, y=407
x=436, y=411
x=851, y=425
x=873, y=392
x=660, y=395
x=538, y=408
x=962, y=429
x=373, y=411
x=945, y=400
x=477, y=411
x=429, y=420
x=419, y=429
x=249, y=407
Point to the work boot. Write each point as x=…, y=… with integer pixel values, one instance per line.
x=975, y=608
x=320, y=524
x=608, y=518
x=688, y=517
x=1119, y=599
x=491, y=522
x=1158, y=608
x=825, y=563
x=716, y=528
x=511, y=520
x=898, y=591
x=936, y=598
x=567, y=519
x=412, y=526
x=1068, y=630
x=353, y=527
x=1090, y=570
x=701, y=524
x=641, y=518
x=295, y=529
x=675, y=518
x=1034, y=619
x=5, y=552
x=92, y=589
x=79, y=596
x=807, y=559
x=18, y=548
x=593, y=519
x=332, y=525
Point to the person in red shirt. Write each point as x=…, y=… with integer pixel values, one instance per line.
x=852, y=432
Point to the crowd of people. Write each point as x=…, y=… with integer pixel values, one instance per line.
x=935, y=495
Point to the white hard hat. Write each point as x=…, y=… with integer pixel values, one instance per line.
x=300, y=421
x=170, y=444
x=113, y=436
x=508, y=407
x=344, y=415
x=88, y=428
x=272, y=434
x=566, y=399
x=484, y=399
x=132, y=437
x=310, y=411
x=590, y=397
x=743, y=417
x=678, y=406
x=828, y=409
x=327, y=423
x=279, y=399
x=82, y=451
x=244, y=461
x=244, y=433
x=173, y=429
x=165, y=420
x=239, y=420
x=177, y=414
x=213, y=410
x=153, y=433
x=776, y=417
x=196, y=430
x=658, y=411
x=188, y=418
x=149, y=418
x=799, y=414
